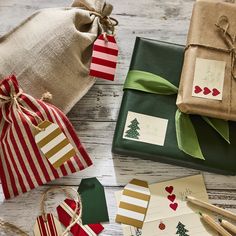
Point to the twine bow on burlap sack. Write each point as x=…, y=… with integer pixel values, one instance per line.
x=106, y=20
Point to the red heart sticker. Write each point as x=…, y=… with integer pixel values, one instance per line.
x=169, y=189
x=206, y=91
x=171, y=197
x=173, y=206
x=215, y=92
x=197, y=89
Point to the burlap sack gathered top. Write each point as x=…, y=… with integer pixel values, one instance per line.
x=51, y=50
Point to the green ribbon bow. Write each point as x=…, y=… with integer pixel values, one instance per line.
x=185, y=132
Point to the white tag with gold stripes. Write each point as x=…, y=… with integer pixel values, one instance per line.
x=134, y=203
x=54, y=144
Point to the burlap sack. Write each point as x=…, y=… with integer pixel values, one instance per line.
x=51, y=51
x=209, y=41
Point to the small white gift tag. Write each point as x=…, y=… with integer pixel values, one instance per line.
x=53, y=143
x=144, y=128
x=47, y=226
x=208, y=79
x=134, y=203
x=104, y=57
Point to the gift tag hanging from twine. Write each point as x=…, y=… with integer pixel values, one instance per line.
x=104, y=57
x=105, y=49
x=47, y=224
x=53, y=143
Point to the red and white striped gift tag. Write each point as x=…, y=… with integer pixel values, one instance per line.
x=65, y=212
x=104, y=57
x=50, y=227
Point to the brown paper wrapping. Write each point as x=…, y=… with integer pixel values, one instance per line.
x=203, y=31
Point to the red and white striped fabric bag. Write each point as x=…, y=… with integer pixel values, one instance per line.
x=22, y=165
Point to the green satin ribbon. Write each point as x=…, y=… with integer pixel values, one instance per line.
x=185, y=132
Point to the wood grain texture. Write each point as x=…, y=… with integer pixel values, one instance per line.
x=95, y=115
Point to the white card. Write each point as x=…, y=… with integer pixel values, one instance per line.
x=208, y=79
x=161, y=219
x=144, y=128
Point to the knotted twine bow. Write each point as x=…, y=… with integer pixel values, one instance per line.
x=13, y=99
x=106, y=20
x=185, y=132
x=222, y=25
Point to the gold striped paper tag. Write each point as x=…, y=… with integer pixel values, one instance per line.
x=54, y=144
x=134, y=203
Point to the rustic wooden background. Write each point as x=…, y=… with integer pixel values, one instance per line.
x=94, y=117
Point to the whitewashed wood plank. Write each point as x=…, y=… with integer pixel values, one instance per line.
x=94, y=116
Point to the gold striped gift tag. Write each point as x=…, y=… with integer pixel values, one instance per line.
x=54, y=144
x=134, y=203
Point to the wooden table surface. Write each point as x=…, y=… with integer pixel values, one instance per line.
x=94, y=117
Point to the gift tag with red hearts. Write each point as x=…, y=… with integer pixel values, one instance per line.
x=208, y=79
x=47, y=226
x=65, y=213
x=104, y=57
x=171, y=198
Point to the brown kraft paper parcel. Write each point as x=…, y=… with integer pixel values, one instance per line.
x=51, y=51
x=211, y=36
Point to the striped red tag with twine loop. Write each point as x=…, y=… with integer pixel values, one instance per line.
x=23, y=166
x=47, y=224
x=104, y=57
x=105, y=49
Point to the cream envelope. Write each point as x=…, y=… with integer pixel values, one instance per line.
x=169, y=214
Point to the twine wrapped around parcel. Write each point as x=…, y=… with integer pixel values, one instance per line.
x=211, y=37
x=51, y=50
x=223, y=25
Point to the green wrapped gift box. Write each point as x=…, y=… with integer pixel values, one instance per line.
x=146, y=123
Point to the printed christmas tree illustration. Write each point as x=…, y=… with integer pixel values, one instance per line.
x=181, y=229
x=133, y=131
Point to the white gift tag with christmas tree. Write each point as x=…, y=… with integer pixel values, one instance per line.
x=144, y=128
x=53, y=143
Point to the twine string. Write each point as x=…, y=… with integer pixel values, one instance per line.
x=107, y=21
x=223, y=26
x=14, y=99
x=75, y=217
